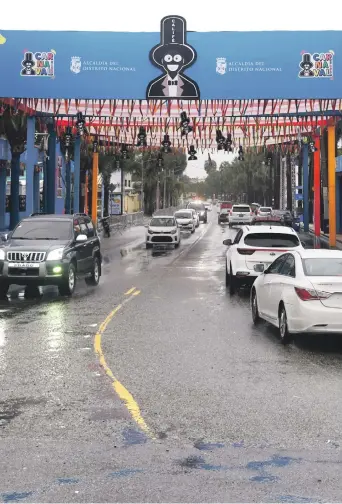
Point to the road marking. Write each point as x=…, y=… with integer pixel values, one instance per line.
x=121, y=391
x=130, y=291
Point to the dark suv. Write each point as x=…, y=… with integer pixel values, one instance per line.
x=50, y=250
x=200, y=209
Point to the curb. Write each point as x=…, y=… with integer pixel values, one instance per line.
x=326, y=239
x=131, y=247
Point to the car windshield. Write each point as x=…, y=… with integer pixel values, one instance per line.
x=196, y=206
x=265, y=209
x=241, y=209
x=323, y=266
x=183, y=215
x=43, y=229
x=270, y=240
x=162, y=222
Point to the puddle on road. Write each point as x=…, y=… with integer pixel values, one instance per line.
x=13, y=407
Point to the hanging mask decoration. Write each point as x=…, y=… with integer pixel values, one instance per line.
x=312, y=146
x=220, y=140
x=185, y=123
x=80, y=124
x=117, y=162
x=228, y=145
x=95, y=145
x=269, y=159
x=67, y=141
x=166, y=144
x=142, y=137
x=240, y=154
x=124, y=151
x=160, y=160
x=192, y=154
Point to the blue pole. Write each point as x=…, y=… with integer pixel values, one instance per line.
x=2, y=196
x=51, y=171
x=15, y=177
x=30, y=161
x=77, y=173
x=36, y=193
x=305, y=151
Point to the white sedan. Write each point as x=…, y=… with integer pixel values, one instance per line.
x=185, y=220
x=300, y=292
x=163, y=230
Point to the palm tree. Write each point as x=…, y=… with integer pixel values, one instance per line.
x=14, y=126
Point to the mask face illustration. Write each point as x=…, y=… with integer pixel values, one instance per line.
x=173, y=55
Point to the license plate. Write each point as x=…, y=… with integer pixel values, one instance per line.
x=240, y=215
x=24, y=265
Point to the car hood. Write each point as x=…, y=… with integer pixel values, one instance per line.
x=34, y=245
x=162, y=229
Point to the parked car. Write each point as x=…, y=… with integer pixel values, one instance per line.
x=301, y=292
x=224, y=210
x=185, y=220
x=195, y=217
x=199, y=207
x=240, y=214
x=285, y=215
x=254, y=249
x=50, y=250
x=163, y=230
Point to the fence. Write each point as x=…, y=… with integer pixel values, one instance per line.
x=168, y=211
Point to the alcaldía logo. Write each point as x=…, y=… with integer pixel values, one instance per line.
x=221, y=65
x=75, y=64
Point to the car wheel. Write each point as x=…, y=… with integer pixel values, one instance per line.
x=255, y=310
x=177, y=244
x=227, y=277
x=193, y=230
x=285, y=336
x=218, y=221
x=149, y=245
x=67, y=288
x=230, y=225
x=233, y=283
x=3, y=291
x=95, y=274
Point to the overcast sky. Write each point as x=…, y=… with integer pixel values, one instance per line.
x=138, y=15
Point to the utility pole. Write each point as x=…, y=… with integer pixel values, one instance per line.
x=122, y=188
x=142, y=186
x=158, y=194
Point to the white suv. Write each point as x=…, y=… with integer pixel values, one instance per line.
x=240, y=214
x=163, y=230
x=254, y=246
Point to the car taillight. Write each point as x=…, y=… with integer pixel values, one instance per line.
x=245, y=251
x=251, y=213
x=311, y=294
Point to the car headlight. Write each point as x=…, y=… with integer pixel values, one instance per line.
x=55, y=255
x=174, y=231
x=149, y=231
x=2, y=255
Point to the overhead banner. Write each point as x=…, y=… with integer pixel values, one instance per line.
x=171, y=64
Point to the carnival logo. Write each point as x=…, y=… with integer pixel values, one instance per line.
x=39, y=64
x=317, y=65
x=221, y=65
x=75, y=64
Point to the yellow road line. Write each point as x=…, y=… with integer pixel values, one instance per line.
x=130, y=291
x=121, y=391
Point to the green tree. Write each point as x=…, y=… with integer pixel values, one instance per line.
x=210, y=165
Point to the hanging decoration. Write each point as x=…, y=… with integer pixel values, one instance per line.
x=269, y=158
x=124, y=151
x=312, y=146
x=220, y=140
x=160, y=160
x=95, y=145
x=192, y=154
x=166, y=144
x=67, y=143
x=228, y=145
x=80, y=124
x=241, y=154
x=142, y=137
x=117, y=162
x=185, y=123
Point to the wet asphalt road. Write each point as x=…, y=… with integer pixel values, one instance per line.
x=224, y=413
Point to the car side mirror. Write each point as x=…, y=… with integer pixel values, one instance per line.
x=303, y=244
x=228, y=242
x=146, y=225
x=5, y=237
x=81, y=238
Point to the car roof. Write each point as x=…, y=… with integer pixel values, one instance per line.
x=320, y=253
x=268, y=229
x=163, y=217
x=242, y=204
x=50, y=217
x=184, y=210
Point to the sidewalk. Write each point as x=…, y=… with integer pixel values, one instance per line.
x=325, y=237
x=125, y=241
